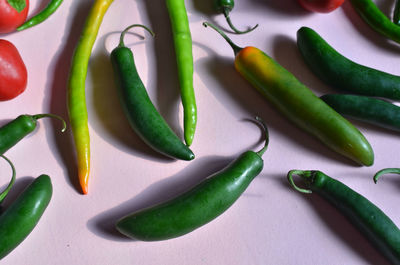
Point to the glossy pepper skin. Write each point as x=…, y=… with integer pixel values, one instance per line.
x=76, y=96
x=184, y=59
x=19, y=219
x=372, y=222
x=300, y=105
x=14, y=131
x=376, y=19
x=142, y=115
x=342, y=73
x=197, y=206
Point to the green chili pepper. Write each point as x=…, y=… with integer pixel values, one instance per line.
x=370, y=110
x=14, y=131
x=183, y=49
x=76, y=90
x=197, y=206
x=299, y=104
x=225, y=7
x=342, y=73
x=42, y=15
x=4, y=193
x=140, y=111
x=21, y=217
x=368, y=218
x=377, y=20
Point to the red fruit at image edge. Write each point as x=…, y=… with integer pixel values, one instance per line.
x=13, y=14
x=321, y=6
x=13, y=73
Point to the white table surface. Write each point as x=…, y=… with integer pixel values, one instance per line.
x=270, y=223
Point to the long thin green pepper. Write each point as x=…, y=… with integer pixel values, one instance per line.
x=42, y=15
x=184, y=57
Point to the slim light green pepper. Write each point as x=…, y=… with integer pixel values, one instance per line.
x=184, y=57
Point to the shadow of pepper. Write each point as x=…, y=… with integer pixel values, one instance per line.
x=283, y=7
x=19, y=185
x=103, y=225
x=56, y=92
x=287, y=54
x=341, y=226
x=366, y=31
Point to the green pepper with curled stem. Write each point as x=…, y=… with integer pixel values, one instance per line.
x=143, y=117
x=225, y=7
x=14, y=131
x=366, y=216
x=197, y=206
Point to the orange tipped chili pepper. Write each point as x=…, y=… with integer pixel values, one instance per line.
x=299, y=104
x=76, y=89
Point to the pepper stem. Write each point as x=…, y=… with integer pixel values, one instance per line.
x=236, y=49
x=304, y=174
x=121, y=38
x=266, y=133
x=385, y=171
x=48, y=115
x=5, y=192
x=228, y=19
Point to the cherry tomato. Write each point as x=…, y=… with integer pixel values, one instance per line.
x=13, y=73
x=321, y=6
x=12, y=14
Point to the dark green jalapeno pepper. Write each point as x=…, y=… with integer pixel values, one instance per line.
x=342, y=73
x=225, y=7
x=367, y=217
x=138, y=108
x=14, y=131
x=21, y=217
x=366, y=109
x=197, y=206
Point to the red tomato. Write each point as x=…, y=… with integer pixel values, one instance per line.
x=321, y=6
x=12, y=14
x=13, y=74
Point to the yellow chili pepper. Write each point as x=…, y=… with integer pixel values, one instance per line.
x=76, y=90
